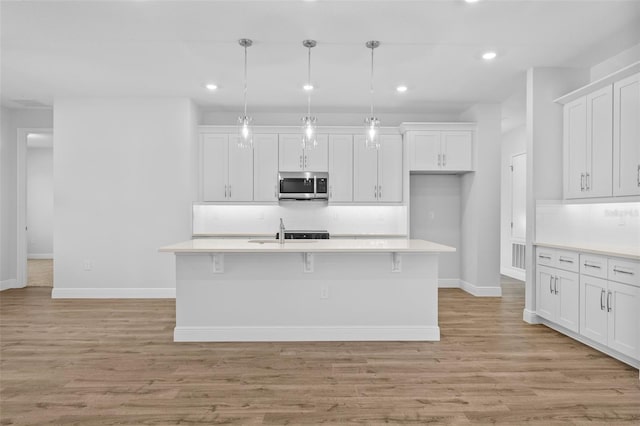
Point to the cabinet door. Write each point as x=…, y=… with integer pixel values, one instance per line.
x=290, y=155
x=317, y=159
x=626, y=136
x=599, y=172
x=265, y=168
x=340, y=168
x=624, y=318
x=365, y=171
x=240, y=187
x=568, y=288
x=456, y=150
x=214, y=163
x=593, y=308
x=575, y=148
x=424, y=151
x=390, y=169
x=545, y=297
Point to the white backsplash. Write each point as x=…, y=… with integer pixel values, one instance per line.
x=210, y=219
x=607, y=225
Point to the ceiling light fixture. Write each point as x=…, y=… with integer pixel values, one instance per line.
x=211, y=86
x=245, y=131
x=471, y=1
x=487, y=56
x=401, y=89
x=372, y=124
x=309, y=129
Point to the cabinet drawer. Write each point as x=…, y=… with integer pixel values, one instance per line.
x=567, y=260
x=545, y=256
x=624, y=271
x=594, y=266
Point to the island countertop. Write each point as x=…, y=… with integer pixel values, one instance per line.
x=223, y=245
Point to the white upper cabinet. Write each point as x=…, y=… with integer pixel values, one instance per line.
x=626, y=136
x=227, y=170
x=377, y=174
x=588, y=124
x=265, y=168
x=293, y=158
x=340, y=168
x=440, y=150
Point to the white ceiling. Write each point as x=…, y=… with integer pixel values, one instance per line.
x=56, y=49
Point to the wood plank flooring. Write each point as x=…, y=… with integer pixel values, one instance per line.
x=101, y=362
x=40, y=273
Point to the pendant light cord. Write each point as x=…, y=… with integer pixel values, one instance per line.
x=372, y=81
x=309, y=83
x=245, y=80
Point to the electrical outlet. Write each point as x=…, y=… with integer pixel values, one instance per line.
x=88, y=265
x=324, y=292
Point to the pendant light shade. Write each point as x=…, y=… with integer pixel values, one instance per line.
x=309, y=128
x=245, y=129
x=372, y=124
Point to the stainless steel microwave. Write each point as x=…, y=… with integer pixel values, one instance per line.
x=303, y=186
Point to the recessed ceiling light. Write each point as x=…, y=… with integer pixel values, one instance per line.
x=471, y=1
x=401, y=88
x=487, y=56
x=211, y=86
x=308, y=87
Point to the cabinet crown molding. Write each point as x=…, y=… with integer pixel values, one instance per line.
x=429, y=126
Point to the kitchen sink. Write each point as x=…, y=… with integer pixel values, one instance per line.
x=278, y=242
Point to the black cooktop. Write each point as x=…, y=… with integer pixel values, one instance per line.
x=304, y=235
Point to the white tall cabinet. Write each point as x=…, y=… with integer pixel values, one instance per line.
x=626, y=136
x=377, y=173
x=227, y=170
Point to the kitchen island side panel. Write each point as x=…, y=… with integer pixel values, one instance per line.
x=270, y=296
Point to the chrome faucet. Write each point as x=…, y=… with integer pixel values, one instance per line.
x=281, y=234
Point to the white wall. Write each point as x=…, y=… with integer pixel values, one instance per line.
x=10, y=121
x=544, y=152
x=40, y=203
x=435, y=216
x=480, y=208
x=513, y=142
x=616, y=62
x=209, y=117
x=123, y=172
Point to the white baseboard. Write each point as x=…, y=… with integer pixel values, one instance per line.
x=481, y=291
x=7, y=284
x=304, y=334
x=516, y=274
x=40, y=256
x=531, y=317
x=113, y=293
x=448, y=283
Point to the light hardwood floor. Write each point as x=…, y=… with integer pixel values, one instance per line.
x=89, y=362
x=40, y=273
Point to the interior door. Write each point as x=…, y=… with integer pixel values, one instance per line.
x=519, y=197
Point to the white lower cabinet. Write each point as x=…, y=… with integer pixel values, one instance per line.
x=557, y=293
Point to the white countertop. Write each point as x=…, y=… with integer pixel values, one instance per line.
x=226, y=245
x=628, y=253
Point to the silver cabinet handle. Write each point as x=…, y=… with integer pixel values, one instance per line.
x=229, y=191
x=555, y=285
x=602, y=300
x=379, y=191
x=587, y=183
x=615, y=269
x=551, y=284
x=439, y=160
x=444, y=159
x=330, y=191
x=300, y=162
x=609, y=301
x=275, y=190
x=588, y=265
x=581, y=181
x=375, y=191
x=563, y=259
x=226, y=191
x=638, y=174
x=541, y=256
x=305, y=161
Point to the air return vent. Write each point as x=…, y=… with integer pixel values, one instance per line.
x=518, y=255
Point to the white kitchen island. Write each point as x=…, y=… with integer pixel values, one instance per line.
x=309, y=290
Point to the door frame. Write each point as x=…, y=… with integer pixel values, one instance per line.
x=21, y=217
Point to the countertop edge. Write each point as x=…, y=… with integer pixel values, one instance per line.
x=626, y=255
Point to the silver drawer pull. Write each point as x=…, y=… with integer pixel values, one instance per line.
x=544, y=257
x=621, y=271
x=566, y=260
x=602, y=299
x=588, y=265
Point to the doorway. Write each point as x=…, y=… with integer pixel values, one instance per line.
x=35, y=207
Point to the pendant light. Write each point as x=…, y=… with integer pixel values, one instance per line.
x=372, y=124
x=245, y=130
x=309, y=129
